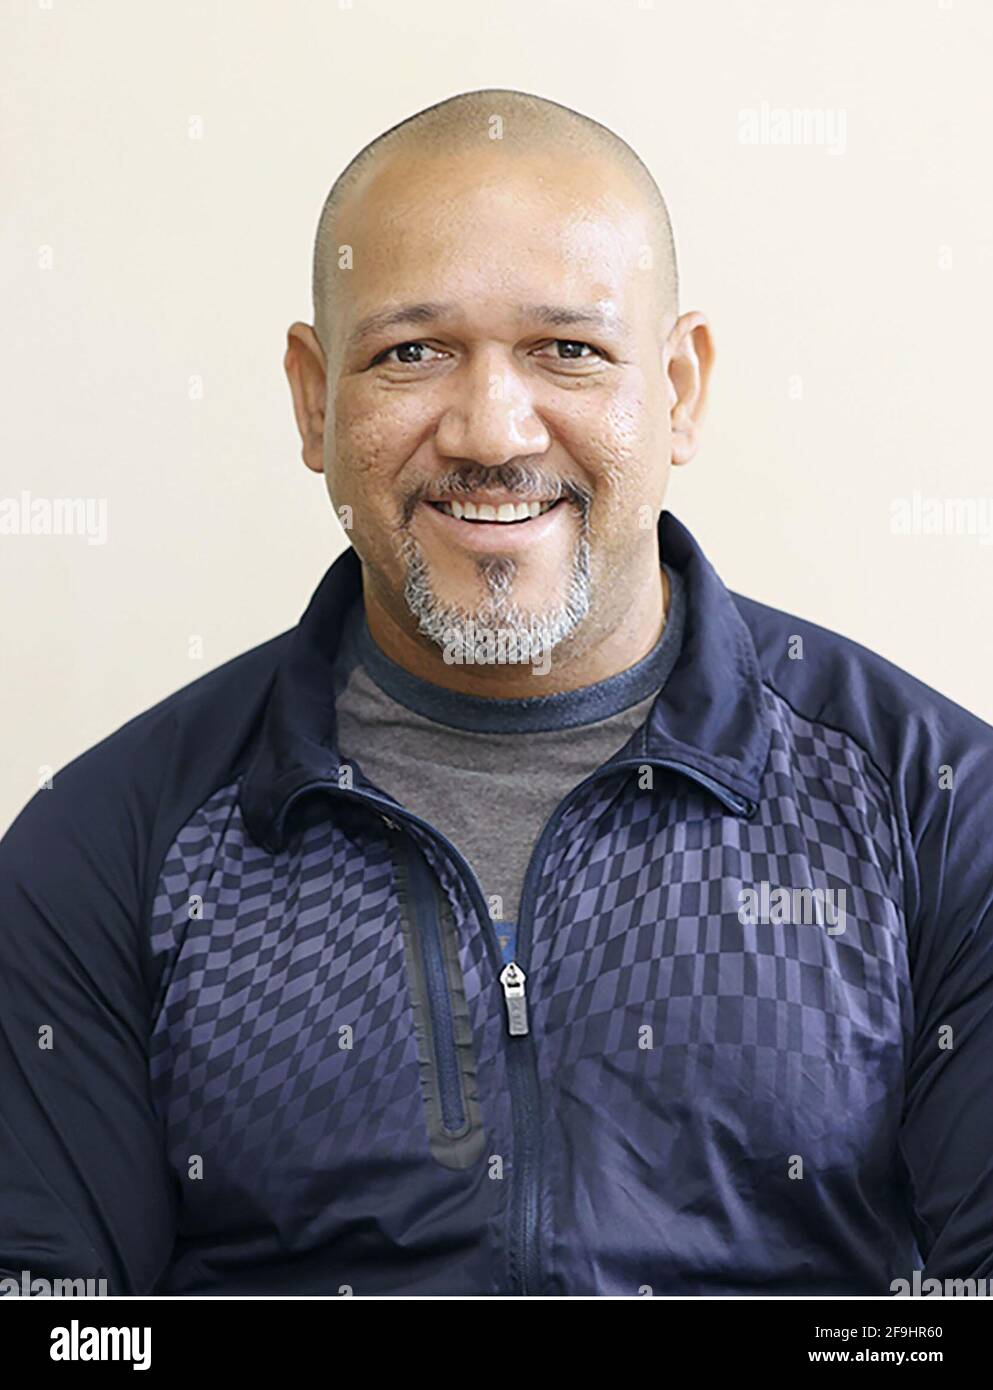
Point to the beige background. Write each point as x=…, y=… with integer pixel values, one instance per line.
x=850, y=294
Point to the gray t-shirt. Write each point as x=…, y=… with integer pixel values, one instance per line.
x=488, y=773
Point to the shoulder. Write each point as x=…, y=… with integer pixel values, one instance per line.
x=827, y=677
x=105, y=809
x=934, y=756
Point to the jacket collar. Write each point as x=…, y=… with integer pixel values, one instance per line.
x=710, y=719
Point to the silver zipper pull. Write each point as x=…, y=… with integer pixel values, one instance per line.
x=512, y=978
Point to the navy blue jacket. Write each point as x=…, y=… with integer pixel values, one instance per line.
x=254, y=1037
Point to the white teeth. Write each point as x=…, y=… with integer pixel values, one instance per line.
x=505, y=512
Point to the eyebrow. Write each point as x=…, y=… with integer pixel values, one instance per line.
x=554, y=315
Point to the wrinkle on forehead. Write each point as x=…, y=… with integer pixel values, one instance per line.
x=465, y=228
x=454, y=141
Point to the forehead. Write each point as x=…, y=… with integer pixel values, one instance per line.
x=480, y=224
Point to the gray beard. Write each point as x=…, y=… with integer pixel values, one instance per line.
x=498, y=630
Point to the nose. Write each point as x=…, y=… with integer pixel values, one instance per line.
x=490, y=418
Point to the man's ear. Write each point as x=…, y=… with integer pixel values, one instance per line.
x=689, y=356
x=306, y=370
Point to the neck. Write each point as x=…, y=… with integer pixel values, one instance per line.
x=625, y=637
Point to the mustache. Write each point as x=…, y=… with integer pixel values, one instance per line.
x=517, y=479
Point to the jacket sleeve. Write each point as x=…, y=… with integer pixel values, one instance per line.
x=84, y=1185
x=947, y=1129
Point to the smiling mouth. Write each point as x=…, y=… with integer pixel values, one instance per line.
x=507, y=513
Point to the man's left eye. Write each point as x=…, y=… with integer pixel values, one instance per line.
x=571, y=350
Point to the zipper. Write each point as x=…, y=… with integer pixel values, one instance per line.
x=512, y=977
x=522, y=1067
x=424, y=889
x=525, y=1205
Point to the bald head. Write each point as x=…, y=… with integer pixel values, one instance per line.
x=515, y=123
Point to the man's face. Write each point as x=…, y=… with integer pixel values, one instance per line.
x=535, y=382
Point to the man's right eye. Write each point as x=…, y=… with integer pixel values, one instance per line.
x=404, y=351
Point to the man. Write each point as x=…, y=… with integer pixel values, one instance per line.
x=536, y=916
